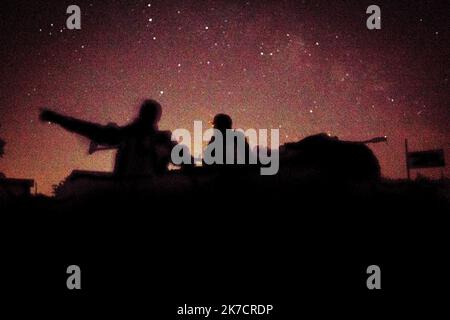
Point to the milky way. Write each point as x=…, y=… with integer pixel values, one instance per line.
x=301, y=66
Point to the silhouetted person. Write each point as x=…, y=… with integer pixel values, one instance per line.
x=223, y=123
x=142, y=149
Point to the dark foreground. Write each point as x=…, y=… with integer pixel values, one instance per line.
x=303, y=247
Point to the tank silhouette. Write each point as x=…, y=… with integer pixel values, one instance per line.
x=329, y=157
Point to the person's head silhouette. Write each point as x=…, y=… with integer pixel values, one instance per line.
x=150, y=113
x=222, y=122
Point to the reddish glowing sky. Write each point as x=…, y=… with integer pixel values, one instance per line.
x=301, y=66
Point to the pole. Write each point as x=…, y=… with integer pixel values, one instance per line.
x=408, y=175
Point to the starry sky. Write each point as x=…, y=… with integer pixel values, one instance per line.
x=301, y=66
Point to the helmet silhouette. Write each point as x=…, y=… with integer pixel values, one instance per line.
x=222, y=122
x=150, y=112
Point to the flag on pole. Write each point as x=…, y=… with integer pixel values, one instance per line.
x=425, y=159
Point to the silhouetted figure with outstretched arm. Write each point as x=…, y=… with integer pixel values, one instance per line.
x=142, y=149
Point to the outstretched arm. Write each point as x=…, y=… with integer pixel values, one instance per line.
x=105, y=135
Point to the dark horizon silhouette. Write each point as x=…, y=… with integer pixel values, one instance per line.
x=144, y=151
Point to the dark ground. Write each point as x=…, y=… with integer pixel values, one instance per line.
x=303, y=247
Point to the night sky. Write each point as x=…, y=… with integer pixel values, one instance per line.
x=302, y=66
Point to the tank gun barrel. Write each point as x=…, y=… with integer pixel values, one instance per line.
x=375, y=140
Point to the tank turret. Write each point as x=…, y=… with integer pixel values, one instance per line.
x=331, y=157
